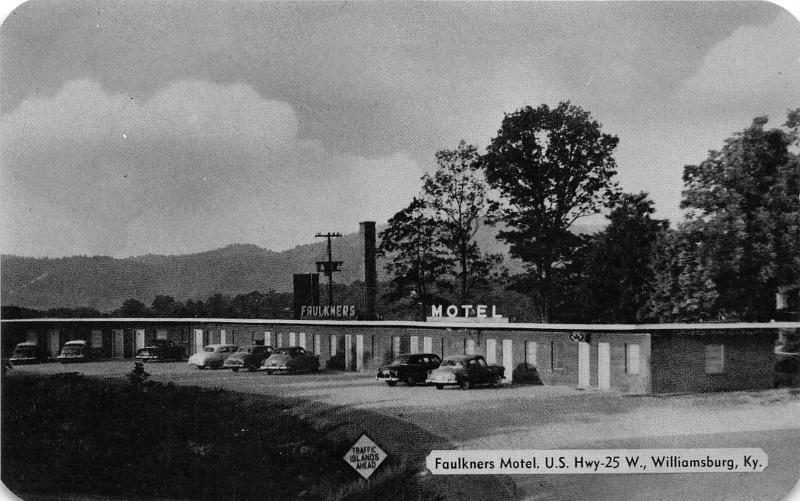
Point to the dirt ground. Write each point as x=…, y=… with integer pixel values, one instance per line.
x=534, y=417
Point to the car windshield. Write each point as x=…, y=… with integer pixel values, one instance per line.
x=210, y=349
x=72, y=350
x=245, y=349
x=452, y=363
x=25, y=350
x=402, y=359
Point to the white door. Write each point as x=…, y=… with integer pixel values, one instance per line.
x=508, y=358
x=427, y=344
x=491, y=351
x=333, y=345
x=603, y=366
x=303, y=340
x=118, y=343
x=583, y=365
x=292, y=339
x=469, y=347
x=360, y=353
x=317, y=344
x=267, y=338
x=198, y=340
x=53, y=342
x=531, y=349
x=414, y=344
x=223, y=337
x=348, y=352
x=139, y=339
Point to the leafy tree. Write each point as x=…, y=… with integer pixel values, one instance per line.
x=617, y=268
x=419, y=260
x=551, y=166
x=165, y=306
x=743, y=206
x=132, y=308
x=456, y=194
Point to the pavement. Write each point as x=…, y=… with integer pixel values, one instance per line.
x=414, y=420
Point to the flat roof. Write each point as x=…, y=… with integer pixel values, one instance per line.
x=430, y=325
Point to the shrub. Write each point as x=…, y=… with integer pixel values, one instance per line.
x=525, y=373
x=138, y=376
x=335, y=363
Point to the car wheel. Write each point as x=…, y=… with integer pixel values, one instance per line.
x=439, y=386
x=411, y=381
x=235, y=369
x=391, y=383
x=465, y=384
x=251, y=368
x=200, y=367
x=495, y=381
x=270, y=372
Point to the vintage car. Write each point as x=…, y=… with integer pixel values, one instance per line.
x=466, y=371
x=75, y=351
x=161, y=351
x=291, y=360
x=409, y=368
x=29, y=352
x=213, y=356
x=248, y=357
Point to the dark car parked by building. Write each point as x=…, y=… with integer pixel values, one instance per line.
x=161, y=351
x=466, y=371
x=28, y=352
x=291, y=360
x=409, y=368
x=248, y=357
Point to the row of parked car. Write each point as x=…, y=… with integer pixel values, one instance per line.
x=465, y=371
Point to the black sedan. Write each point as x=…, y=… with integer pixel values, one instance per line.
x=161, y=351
x=247, y=357
x=409, y=368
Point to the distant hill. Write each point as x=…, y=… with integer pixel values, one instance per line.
x=104, y=283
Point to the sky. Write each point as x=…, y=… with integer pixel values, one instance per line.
x=172, y=127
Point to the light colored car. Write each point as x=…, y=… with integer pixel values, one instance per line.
x=212, y=356
x=29, y=352
x=75, y=351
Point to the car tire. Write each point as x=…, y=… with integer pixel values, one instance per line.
x=391, y=383
x=465, y=384
x=235, y=369
x=439, y=386
x=270, y=372
x=411, y=381
x=496, y=381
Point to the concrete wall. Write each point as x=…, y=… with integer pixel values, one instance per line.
x=679, y=361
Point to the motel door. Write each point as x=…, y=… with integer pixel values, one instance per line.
x=198, y=340
x=53, y=343
x=583, y=365
x=603, y=366
x=348, y=352
x=508, y=359
x=139, y=339
x=117, y=343
x=360, y=353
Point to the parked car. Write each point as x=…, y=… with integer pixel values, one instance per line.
x=29, y=352
x=409, y=368
x=291, y=360
x=212, y=356
x=76, y=351
x=161, y=351
x=466, y=371
x=248, y=357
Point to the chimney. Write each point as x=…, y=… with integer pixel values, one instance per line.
x=367, y=234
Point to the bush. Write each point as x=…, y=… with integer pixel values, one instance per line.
x=137, y=376
x=335, y=363
x=525, y=373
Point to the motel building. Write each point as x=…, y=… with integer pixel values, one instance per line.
x=635, y=359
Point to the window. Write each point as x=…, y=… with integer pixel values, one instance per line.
x=557, y=354
x=97, y=339
x=469, y=349
x=267, y=338
x=161, y=334
x=280, y=340
x=632, y=358
x=715, y=358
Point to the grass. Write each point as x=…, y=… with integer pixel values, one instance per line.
x=71, y=434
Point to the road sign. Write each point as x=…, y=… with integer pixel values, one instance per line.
x=365, y=456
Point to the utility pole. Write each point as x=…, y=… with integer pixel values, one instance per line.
x=328, y=267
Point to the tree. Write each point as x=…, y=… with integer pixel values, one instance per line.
x=419, y=261
x=132, y=308
x=743, y=206
x=165, y=306
x=617, y=268
x=551, y=166
x=456, y=197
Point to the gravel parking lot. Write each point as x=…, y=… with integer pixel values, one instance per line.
x=535, y=417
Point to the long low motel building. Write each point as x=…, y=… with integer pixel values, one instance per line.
x=648, y=358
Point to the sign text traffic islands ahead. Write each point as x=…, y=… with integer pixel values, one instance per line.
x=365, y=456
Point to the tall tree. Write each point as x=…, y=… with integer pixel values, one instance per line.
x=419, y=261
x=743, y=205
x=551, y=166
x=617, y=268
x=456, y=196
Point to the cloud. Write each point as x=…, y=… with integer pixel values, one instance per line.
x=197, y=166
